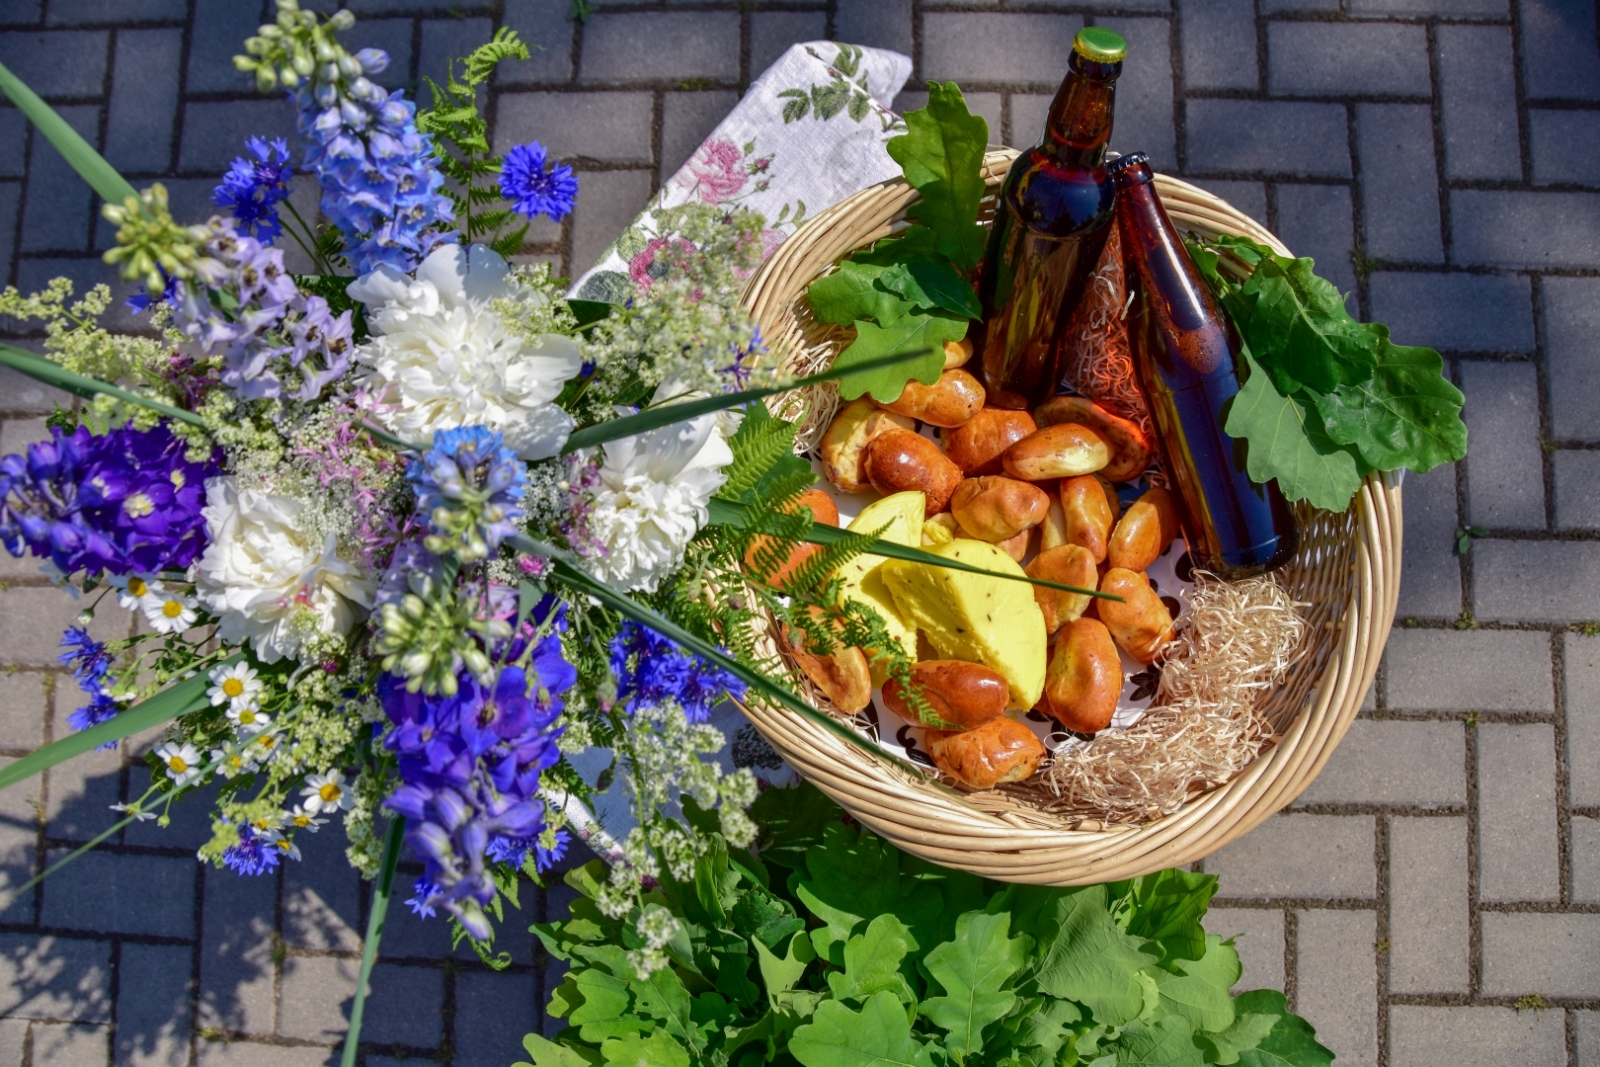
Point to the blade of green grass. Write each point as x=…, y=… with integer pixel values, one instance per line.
x=667, y=414
x=369, y=947
x=43, y=370
x=101, y=176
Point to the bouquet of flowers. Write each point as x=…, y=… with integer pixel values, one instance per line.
x=407, y=532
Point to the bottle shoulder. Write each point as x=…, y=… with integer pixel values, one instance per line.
x=1057, y=200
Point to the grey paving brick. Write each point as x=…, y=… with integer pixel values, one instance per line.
x=1295, y=139
x=1430, y=930
x=1565, y=146
x=315, y=996
x=610, y=127
x=58, y=62
x=1475, y=1037
x=13, y=143
x=13, y=1039
x=1534, y=230
x=1032, y=107
x=190, y=825
x=1536, y=581
x=1299, y=856
x=214, y=134
x=32, y=620
x=1316, y=221
x=1455, y=312
x=1347, y=59
x=987, y=49
x=81, y=790
x=321, y=899
x=660, y=46
x=1390, y=762
x=219, y=29
x=1275, y=7
x=1399, y=182
x=153, y=989
x=17, y=434
x=772, y=32
x=69, y=1044
x=253, y=1054
x=1519, y=857
x=236, y=969
x=1580, y=658
x=144, y=99
x=392, y=36
x=1144, y=92
x=1248, y=197
x=608, y=202
x=1559, y=59
x=1258, y=937
x=21, y=12
x=19, y=821
x=1571, y=310
x=1505, y=473
x=1430, y=576
x=68, y=12
x=1219, y=44
x=446, y=40
x=1585, y=860
x=1562, y=964
x=23, y=710
x=1479, y=670
x=405, y=1006
x=1478, y=102
x=1448, y=9
x=56, y=213
x=493, y=1011
x=23, y=395
x=1338, y=981
x=1587, y=1027
x=548, y=32
x=1576, y=474
x=49, y=977
x=1114, y=5
x=127, y=894
x=879, y=23
x=687, y=119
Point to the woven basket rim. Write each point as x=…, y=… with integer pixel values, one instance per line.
x=943, y=825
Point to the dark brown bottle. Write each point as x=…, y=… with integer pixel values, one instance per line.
x=1183, y=351
x=1051, y=222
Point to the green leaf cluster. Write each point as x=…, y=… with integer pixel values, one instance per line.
x=461, y=143
x=831, y=948
x=915, y=291
x=1325, y=399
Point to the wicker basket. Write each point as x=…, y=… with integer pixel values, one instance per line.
x=1347, y=571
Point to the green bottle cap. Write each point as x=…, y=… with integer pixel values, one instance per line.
x=1100, y=45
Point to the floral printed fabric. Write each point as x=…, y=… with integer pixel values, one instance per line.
x=807, y=134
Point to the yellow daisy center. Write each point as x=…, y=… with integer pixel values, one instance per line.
x=172, y=609
x=284, y=845
x=247, y=717
x=266, y=741
x=138, y=505
x=137, y=587
x=232, y=687
x=329, y=792
x=302, y=821
x=178, y=764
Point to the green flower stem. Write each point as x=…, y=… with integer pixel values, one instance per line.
x=68, y=858
x=43, y=370
x=369, y=947
x=308, y=249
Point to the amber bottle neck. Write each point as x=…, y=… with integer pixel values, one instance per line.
x=1152, y=249
x=1079, y=126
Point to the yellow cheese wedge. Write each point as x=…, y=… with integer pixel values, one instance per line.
x=901, y=516
x=974, y=617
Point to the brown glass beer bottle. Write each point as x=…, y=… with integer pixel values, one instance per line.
x=1051, y=221
x=1183, y=352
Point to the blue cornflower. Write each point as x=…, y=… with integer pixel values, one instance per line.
x=254, y=854
x=533, y=190
x=650, y=669
x=251, y=188
x=90, y=662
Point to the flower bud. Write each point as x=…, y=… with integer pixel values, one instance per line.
x=342, y=19
x=302, y=63
x=373, y=60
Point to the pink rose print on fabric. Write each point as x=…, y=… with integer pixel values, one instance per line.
x=719, y=171
x=645, y=269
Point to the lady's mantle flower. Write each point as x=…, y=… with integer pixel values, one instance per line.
x=251, y=188
x=181, y=760
x=650, y=669
x=91, y=663
x=269, y=579
x=237, y=685
x=441, y=357
x=533, y=190
x=470, y=487
x=169, y=613
x=326, y=793
x=652, y=498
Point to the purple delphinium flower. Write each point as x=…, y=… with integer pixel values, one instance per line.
x=254, y=853
x=471, y=469
x=470, y=763
x=650, y=668
x=139, y=303
x=90, y=662
x=531, y=189
x=514, y=850
x=251, y=188
x=126, y=502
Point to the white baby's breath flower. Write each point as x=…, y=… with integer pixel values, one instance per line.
x=182, y=761
x=168, y=613
x=236, y=685
x=132, y=590
x=326, y=793
x=301, y=819
x=441, y=356
x=269, y=579
x=652, y=497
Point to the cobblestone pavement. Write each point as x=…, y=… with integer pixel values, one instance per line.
x=1434, y=898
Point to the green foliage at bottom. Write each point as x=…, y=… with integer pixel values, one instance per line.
x=829, y=947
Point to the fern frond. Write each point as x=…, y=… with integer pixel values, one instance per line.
x=509, y=244
x=503, y=46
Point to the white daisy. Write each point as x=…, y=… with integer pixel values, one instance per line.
x=326, y=793
x=301, y=819
x=231, y=764
x=182, y=761
x=263, y=746
x=138, y=813
x=285, y=847
x=236, y=685
x=266, y=824
x=132, y=590
x=248, y=720
x=169, y=613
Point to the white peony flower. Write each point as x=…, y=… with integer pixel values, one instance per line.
x=652, y=497
x=268, y=579
x=441, y=358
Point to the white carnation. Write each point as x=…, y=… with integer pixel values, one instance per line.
x=269, y=579
x=652, y=497
x=441, y=357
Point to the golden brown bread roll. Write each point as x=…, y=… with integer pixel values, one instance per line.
x=1063, y=451
x=1087, y=511
x=994, y=508
x=1001, y=750
x=900, y=460
x=977, y=444
x=842, y=447
x=1069, y=565
x=1085, y=677
x=1140, y=623
x=949, y=402
x=1131, y=450
x=963, y=694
